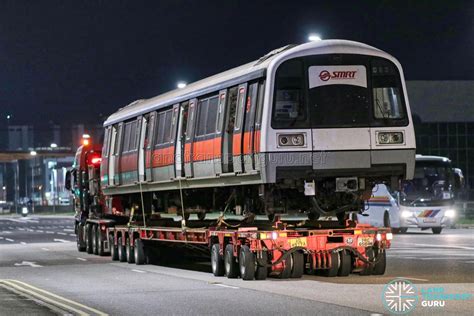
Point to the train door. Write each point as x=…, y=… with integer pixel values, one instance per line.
x=228, y=130
x=142, y=148
x=173, y=136
x=112, y=154
x=237, y=142
x=180, y=139
x=220, y=131
x=258, y=126
x=118, y=154
x=249, y=127
x=189, y=139
x=148, y=146
x=104, y=165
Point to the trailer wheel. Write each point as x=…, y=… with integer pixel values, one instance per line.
x=100, y=243
x=113, y=249
x=345, y=263
x=122, y=252
x=297, y=267
x=139, y=252
x=334, y=268
x=95, y=245
x=381, y=265
x=81, y=245
x=286, y=273
x=246, y=263
x=230, y=263
x=88, y=239
x=201, y=215
x=437, y=230
x=261, y=271
x=130, y=252
x=368, y=268
x=217, y=261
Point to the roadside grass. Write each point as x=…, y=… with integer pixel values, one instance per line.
x=465, y=221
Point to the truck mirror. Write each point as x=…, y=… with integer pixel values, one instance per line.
x=67, y=180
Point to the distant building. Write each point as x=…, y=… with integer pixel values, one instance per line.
x=20, y=137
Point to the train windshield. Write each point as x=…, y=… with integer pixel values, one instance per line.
x=431, y=185
x=325, y=91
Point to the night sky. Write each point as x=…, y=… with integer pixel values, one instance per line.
x=79, y=61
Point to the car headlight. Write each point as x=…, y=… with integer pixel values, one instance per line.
x=291, y=140
x=406, y=214
x=450, y=213
x=389, y=138
x=24, y=210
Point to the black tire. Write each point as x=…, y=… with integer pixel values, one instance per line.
x=130, y=252
x=437, y=230
x=88, y=239
x=313, y=216
x=230, y=263
x=345, y=263
x=217, y=261
x=139, y=252
x=113, y=249
x=81, y=245
x=297, y=266
x=100, y=243
x=246, y=263
x=380, y=266
x=261, y=270
x=334, y=268
x=341, y=218
x=201, y=216
x=403, y=230
x=95, y=244
x=310, y=270
x=386, y=220
x=286, y=273
x=368, y=268
x=122, y=251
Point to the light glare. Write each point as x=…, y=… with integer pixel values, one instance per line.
x=314, y=38
x=181, y=85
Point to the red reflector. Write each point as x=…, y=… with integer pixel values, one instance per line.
x=96, y=160
x=103, y=227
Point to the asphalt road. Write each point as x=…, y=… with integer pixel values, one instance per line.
x=41, y=252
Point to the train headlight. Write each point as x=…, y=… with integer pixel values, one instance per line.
x=296, y=140
x=406, y=214
x=450, y=213
x=389, y=138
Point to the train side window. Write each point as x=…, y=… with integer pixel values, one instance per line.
x=126, y=139
x=117, y=139
x=240, y=108
x=190, y=120
x=150, y=130
x=212, y=115
x=232, y=103
x=258, y=118
x=202, y=116
x=167, y=129
x=220, y=111
x=105, y=146
x=133, y=136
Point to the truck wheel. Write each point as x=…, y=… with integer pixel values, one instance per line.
x=403, y=230
x=217, y=262
x=139, y=252
x=437, y=230
x=130, y=252
x=230, y=263
x=368, y=268
x=95, y=244
x=100, y=243
x=297, y=267
x=286, y=273
x=201, y=215
x=88, y=238
x=345, y=263
x=261, y=272
x=113, y=249
x=380, y=266
x=246, y=263
x=334, y=268
x=122, y=252
x=81, y=245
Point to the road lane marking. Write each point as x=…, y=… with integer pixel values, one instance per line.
x=10, y=240
x=82, y=259
x=68, y=230
x=60, y=240
x=59, y=233
x=138, y=271
x=45, y=249
x=23, y=243
x=40, y=231
x=225, y=285
x=21, y=228
x=73, y=235
x=48, y=232
x=55, y=300
x=441, y=246
x=416, y=279
x=28, y=264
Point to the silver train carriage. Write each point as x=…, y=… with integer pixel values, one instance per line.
x=306, y=128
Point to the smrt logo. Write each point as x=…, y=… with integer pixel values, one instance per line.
x=326, y=75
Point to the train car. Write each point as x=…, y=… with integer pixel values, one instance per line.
x=307, y=128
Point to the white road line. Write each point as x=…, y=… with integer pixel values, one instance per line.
x=49, y=232
x=23, y=243
x=60, y=240
x=59, y=233
x=40, y=231
x=73, y=235
x=440, y=246
x=10, y=240
x=424, y=280
x=10, y=227
x=68, y=230
x=139, y=271
x=21, y=229
x=45, y=249
x=81, y=259
x=225, y=285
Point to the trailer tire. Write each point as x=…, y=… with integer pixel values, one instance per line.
x=345, y=263
x=201, y=216
x=81, y=245
x=95, y=245
x=230, y=262
x=286, y=273
x=122, y=252
x=130, y=252
x=113, y=249
x=139, y=252
x=334, y=268
x=261, y=271
x=368, y=268
x=88, y=239
x=246, y=263
x=100, y=243
x=297, y=266
x=380, y=266
x=217, y=261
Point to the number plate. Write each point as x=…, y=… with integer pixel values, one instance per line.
x=429, y=220
x=365, y=241
x=298, y=242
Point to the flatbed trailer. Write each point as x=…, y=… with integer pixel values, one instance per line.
x=255, y=252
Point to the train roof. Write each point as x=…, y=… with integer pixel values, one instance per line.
x=432, y=158
x=246, y=72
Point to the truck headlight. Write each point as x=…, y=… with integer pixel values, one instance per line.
x=389, y=138
x=406, y=214
x=291, y=140
x=450, y=213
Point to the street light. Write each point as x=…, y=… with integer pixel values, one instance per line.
x=53, y=145
x=314, y=37
x=33, y=153
x=181, y=85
